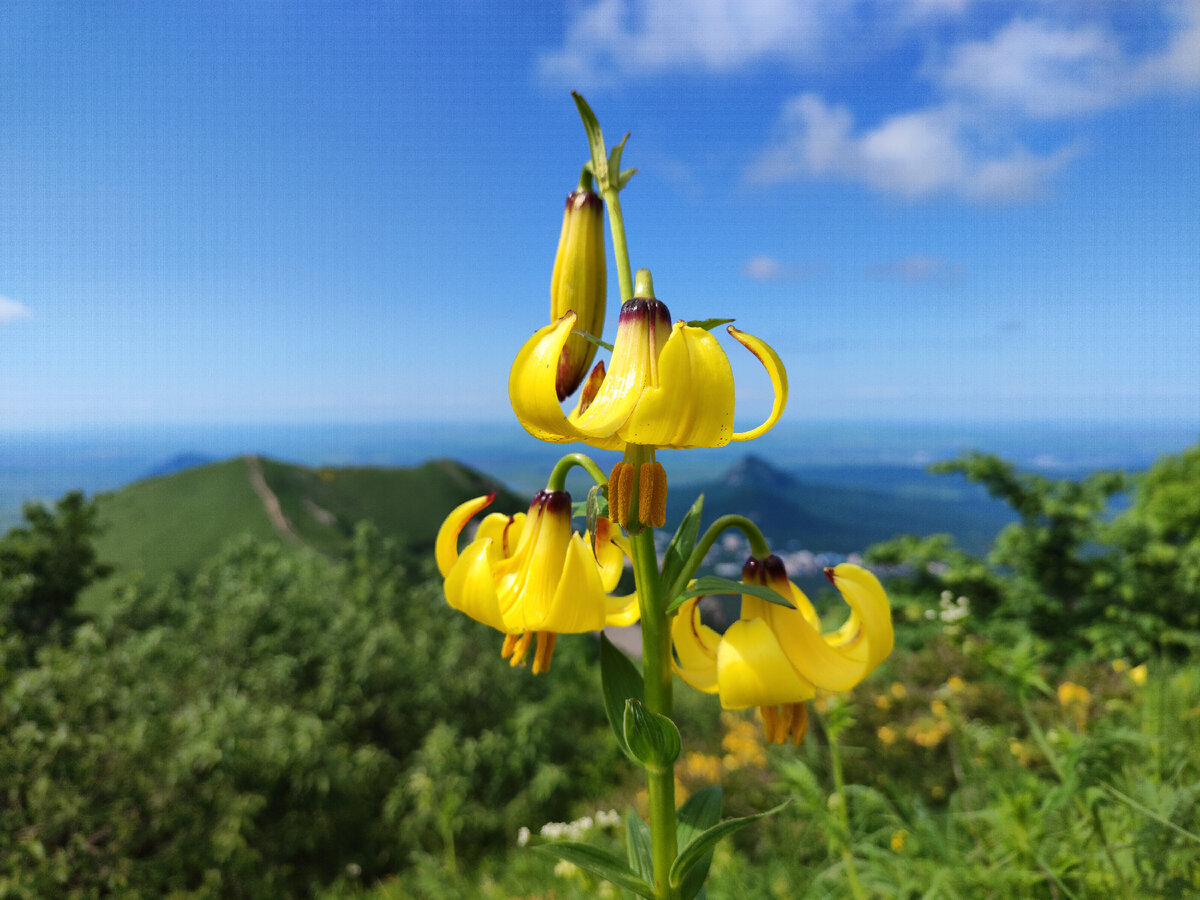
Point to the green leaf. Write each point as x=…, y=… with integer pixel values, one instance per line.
x=595, y=141
x=592, y=339
x=683, y=543
x=699, y=812
x=713, y=584
x=637, y=842
x=653, y=739
x=614, y=158
x=709, y=324
x=620, y=681
x=702, y=844
x=623, y=178
x=601, y=864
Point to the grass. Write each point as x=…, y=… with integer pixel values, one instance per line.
x=175, y=522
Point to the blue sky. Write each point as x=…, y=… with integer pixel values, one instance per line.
x=288, y=212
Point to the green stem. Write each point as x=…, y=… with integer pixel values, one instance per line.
x=585, y=178
x=558, y=475
x=839, y=789
x=616, y=225
x=656, y=672
x=758, y=547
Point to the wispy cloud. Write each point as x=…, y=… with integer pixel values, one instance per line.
x=612, y=39
x=1044, y=70
x=768, y=268
x=973, y=140
x=918, y=270
x=11, y=310
x=915, y=154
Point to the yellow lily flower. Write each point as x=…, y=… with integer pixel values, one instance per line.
x=666, y=386
x=532, y=574
x=776, y=658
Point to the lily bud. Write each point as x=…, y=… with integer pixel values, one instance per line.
x=578, y=284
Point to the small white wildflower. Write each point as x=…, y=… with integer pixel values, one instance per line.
x=564, y=869
x=523, y=836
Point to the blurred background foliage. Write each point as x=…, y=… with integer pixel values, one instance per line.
x=286, y=723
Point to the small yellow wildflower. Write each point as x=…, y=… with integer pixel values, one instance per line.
x=899, y=839
x=1138, y=675
x=742, y=744
x=955, y=684
x=886, y=735
x=928, y=733
x=1071, y=694
x=1119, y=666
x=702, y=767
x=899, y=691
x=938, y=708
x=883, y=702
x=1023, y=753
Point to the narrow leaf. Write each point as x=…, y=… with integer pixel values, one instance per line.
x=709, y=324
x=623, y=178
x=592, y=339
x=699, y=812
x=595, y=137
x=703, y=843
x=614, y=158
x=653, y=739
x=714, y=584
x=601, y=864
x=683, y=543
x=620, y=681
x=637, y=842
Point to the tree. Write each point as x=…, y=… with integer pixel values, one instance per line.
x=45, y=565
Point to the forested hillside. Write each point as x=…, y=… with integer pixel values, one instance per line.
x=305, y=717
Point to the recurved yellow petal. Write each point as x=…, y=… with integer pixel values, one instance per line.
x=692, y=403
x=532, y=383
x=865, y=595
x=610, y=555
x=626, y=377
x=446, y=547
x=695, y=648
x=752, y=669
x=578, y=603
x=778, y=374
x=504, y=532
x=623, y=610
x=470, y=587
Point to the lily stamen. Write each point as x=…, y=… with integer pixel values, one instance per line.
x=545, y=650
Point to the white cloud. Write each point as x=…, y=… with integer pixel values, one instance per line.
x=1177, y=66
x=1043, y=70
x=614, y=38
x=918, y=270
x=768, y=268
x=11, y=310
x=915, y=154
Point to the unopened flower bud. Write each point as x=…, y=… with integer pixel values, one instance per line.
x=578, y=284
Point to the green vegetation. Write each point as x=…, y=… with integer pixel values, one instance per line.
x=175, y=523
x=44, y=566
x=305, y=718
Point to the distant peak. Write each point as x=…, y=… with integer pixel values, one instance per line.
x=754, y=471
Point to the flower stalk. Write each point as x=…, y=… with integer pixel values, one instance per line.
x=656, y=673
